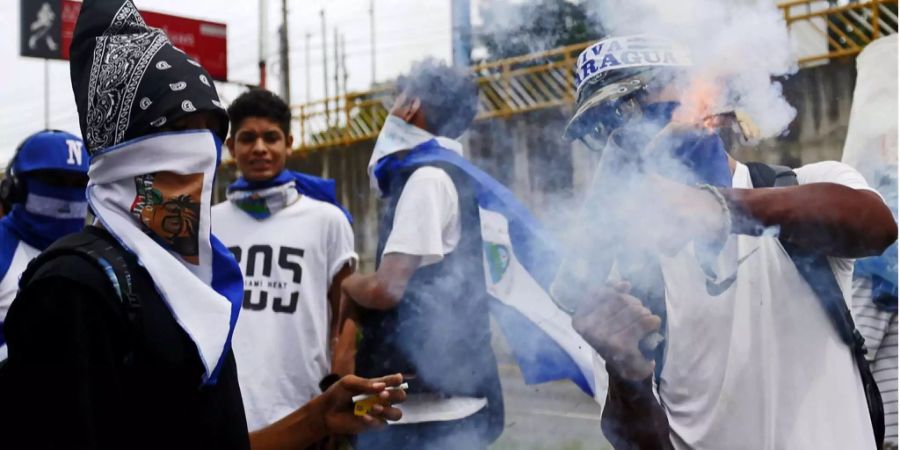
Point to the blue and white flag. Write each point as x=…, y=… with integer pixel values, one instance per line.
x=519, y=264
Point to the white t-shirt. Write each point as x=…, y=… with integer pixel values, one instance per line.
x=9, y=285
x=427, y=224
x=760, y=366
x=281, y=339
x=426, y=220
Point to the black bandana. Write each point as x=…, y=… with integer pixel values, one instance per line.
x=129, y=80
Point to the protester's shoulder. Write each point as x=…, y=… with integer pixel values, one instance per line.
x=223, y=208
x=69, y=269
x=430, y=173
x=431, y=177
x=831, y=172
x=64, y=285
x=323, y=210
x=74, y=269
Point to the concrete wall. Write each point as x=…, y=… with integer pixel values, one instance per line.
x=526, y=153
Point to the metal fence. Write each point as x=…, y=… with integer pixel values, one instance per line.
x=545, y=79
x=841, y=29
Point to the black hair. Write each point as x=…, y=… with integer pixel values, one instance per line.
x=260, y=103
x=448, y=96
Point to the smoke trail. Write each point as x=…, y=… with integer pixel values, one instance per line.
x=737, y=47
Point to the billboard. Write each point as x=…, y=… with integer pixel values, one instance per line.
x=46, y=29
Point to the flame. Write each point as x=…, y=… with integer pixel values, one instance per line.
x=700, y=104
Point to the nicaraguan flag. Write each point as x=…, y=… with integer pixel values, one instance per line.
x=519, y=265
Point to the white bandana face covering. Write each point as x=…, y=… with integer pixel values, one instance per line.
x=153, y=194
x=396, y=135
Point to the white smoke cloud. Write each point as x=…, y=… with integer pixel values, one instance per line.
x=737, y=47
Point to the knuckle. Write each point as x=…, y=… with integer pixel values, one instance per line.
x=650, y=322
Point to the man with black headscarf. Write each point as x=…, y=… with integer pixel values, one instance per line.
x=120, y=336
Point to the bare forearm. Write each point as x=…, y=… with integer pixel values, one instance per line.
x=297, y=430
x=335, y=302
x=369, y=292
x=343, y=360
x=834, y=219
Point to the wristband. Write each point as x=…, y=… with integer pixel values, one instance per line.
x=328, y=380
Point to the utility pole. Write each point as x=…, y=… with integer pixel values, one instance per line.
x=325, y=64
x=344, y=62
x=372, y=36
x=337, y=64
x=462, y=32
x=306, y=53
x=285, y=55
x=46, y=94
x=263, y=32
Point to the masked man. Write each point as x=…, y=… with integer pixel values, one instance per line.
x=120, y=336
x=419, y=314
x=43, y=190
x=759, y=350
x=296, y=246
x=454, y=244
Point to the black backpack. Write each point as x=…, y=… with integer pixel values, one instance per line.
x=93, y=249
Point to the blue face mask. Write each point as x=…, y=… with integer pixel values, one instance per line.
x=48, y=213
x=702, y=153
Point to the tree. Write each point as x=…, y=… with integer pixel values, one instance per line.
x=517, y=29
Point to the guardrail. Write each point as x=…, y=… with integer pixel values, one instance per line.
x=838, y=30
x=544, y=80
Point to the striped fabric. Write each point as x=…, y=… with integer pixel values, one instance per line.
x=880, y=330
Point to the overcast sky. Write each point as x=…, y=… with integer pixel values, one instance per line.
x=406, y=30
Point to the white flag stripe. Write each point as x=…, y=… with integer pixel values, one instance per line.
x=515, y=287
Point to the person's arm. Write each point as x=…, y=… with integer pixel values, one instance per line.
x=426, y=216
x=835, y=219
x=331, y=413
x=343, y=347
x=343, y=360
x=383, y=289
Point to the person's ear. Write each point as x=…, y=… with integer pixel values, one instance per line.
x=411, y=109
x=290, y=142
x=229, y=142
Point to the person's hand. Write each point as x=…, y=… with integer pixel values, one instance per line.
x=336, y=404
x=685, y=213
x=614, y=324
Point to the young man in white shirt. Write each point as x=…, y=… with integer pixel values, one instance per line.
x=294, y=244
x=424, y=312
x=43, y=194
x=751, y=358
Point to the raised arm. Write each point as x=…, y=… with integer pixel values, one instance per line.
x=835, y=219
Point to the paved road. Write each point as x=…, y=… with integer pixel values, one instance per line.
x=549, y=416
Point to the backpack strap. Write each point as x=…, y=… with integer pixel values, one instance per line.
x=816, y=270
x=101, y=254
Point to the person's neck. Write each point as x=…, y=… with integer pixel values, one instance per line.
x=732, y=164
